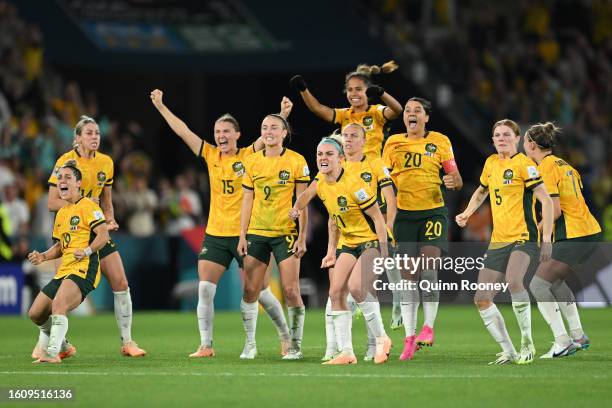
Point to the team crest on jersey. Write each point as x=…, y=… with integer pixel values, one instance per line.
x=283, y=175
x=74, y=222
x=367, y=122
x=430, y=149
x=366, y=176
x=101, y=178
x=508, y=175
x=238, y=168
x=343, y=204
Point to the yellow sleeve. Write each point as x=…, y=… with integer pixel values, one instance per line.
x=529, y=173
x=111, y=173
x=447, y=151
x=247, y=178
x=387, y=154
x=206, y=151
x=362, y=194
x=93, y=215
x=484, y=176
x=53, y=177
x=339, y=115
x=379, y=114
x=56, y=234
x=302, y=173
x=247, y=151
x=318, y=176
x=381, y=171
x=551, y=179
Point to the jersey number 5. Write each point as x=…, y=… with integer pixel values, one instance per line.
x=498, y=198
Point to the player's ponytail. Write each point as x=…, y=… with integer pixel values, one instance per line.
x=365, y=71
x=544, y=135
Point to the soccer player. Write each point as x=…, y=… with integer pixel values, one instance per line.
x=348, y=199
x=97, y=171
x=79, y=232
x=576, y=234
x=271, y=178
x=225, y=163
x=415, y=159
x=511, y=180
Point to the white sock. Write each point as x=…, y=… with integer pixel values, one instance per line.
x=249, y=319
x=123, y=314
x=393, y=275
x=371, y=313
x=342, y=326
x=44, y=333
x=540, y=288
x=352, y=304
x=410, y=308
x=430, y=299
x=330, y=335
x=296, y=322
x=494, y=322
x=521, y=305
x=275, y=310
x=59, y=328
x=206, y=311
x=567, y=303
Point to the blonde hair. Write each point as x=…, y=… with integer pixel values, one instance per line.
x=78, y=128
x=363, y=131
x=510, y=123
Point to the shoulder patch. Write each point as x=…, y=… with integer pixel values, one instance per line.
x=361, y=195
x=306, y=170
x=532, y=171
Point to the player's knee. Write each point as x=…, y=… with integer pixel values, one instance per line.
x=336, y=295
x=120, y=284
x=35, y=316
x=292, y=294
x=59, y=306
x=251, y=293
x=515, y=285
x=482, y=301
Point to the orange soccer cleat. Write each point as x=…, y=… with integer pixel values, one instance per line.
x=383, y=349
x=342, y=359
x=131, y=349
x=203, y=351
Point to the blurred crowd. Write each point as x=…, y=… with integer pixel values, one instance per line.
x=528, y=60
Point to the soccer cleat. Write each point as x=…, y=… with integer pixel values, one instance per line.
x=329, y=354
x=38, y=351
x=370, y=352
x=383, y=349
x=582, y=343
x=203, y=351
x=504, y=358
x=410, y=347
x=396, y=317
x=342, y=359
x=249, y=351
x=527, y=354
x=295, y=354
x=425, y=337
x=557, y=351
x=131, y=349
x=67, y=350
x=45, y=358
x=285, y=346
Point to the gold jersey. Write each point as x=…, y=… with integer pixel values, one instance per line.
x=74, y=229
x=273, y=180
x=346, y=199
x=510, y=183
x=415, y=169
x=98, y=172
x=373, y=121
x=225, y=179
x=563, y=181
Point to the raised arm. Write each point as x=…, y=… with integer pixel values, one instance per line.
x=324, y=112
x=393, y=110
x=476, y=201
x=193, y=141
x=303, y=199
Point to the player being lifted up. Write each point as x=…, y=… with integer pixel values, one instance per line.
x=415, y=159
x=511, y=180
x=353, y=207
x=272, y=176
x=225, y=163
x=576, y=234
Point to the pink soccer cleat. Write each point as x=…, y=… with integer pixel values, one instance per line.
x=425, y=337
x=410, y=347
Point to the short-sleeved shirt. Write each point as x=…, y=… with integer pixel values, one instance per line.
x=415, y=169
x=510, y=183
x=346, y=199
x=373, y=121
x=273, y=180
x=225, y=178
x=74, y=229
x=564, y=181
x=97, y=171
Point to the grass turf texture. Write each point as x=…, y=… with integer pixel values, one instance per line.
x=453, y=372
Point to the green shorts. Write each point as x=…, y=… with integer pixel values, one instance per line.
x=575, y=251
x=220, y=250
x=415, y=229
x=497, y=259
x=108, y=249
x=84, y=285
x=357, y=250
x=259, y=247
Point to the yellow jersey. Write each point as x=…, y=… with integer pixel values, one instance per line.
x=74, y=229
x=563, y=181
x=273, y=180
x=225, y=179
x=97, y=172
x=415, y=167
x=346, y=199
x=373, y=121
x=510, y=183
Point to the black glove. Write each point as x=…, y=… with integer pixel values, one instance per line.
x=298, y=83
x=374, y=91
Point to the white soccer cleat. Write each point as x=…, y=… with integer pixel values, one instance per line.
x=527, y=354
x=504, y=358
x=295, y=354
x=249, y=352
x=558, y=350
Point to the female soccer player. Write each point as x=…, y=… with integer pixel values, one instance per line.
x=271, y=177
x=348, y=198
x=511, y=180
x=225, y=163
x=79, y=232
x=576, y=235
x=359, y=90
x=415, y=159
x=97, y=170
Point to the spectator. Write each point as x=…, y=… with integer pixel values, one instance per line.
x=140, y=203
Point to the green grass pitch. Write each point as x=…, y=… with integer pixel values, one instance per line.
x=452, y=373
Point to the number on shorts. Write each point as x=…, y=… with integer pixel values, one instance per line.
x=433, y=229
x=290, y=241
